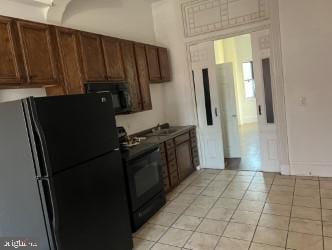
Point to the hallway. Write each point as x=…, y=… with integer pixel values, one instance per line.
x=250, y=150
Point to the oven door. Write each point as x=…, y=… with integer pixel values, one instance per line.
x=144, y=178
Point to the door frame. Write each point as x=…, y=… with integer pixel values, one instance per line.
x=273, y=25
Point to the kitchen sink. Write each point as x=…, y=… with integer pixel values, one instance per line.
x=161, y=132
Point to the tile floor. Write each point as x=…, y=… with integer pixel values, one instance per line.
x=238, y=210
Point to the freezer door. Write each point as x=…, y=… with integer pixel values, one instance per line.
x=21, y=211
x=71, y=130
x=92, y=210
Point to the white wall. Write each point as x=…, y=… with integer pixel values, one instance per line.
x=306, y=46
x=126, y=19
x=179, y=104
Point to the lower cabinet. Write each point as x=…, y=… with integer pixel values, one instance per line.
x=184, y=159
x=180, y=158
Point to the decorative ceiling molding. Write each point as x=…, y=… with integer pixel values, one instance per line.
x=204, y=16
x=56, y=11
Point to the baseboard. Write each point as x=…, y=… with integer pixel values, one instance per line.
x=285, y=169
x=322, y=169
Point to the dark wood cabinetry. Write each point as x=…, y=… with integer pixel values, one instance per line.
x=179, y=158
x=128, y=53
x=143, y=76
x=165, y=69
x=71, y=62
x=11, y=64
x=63, y=60
x=153, y=63
x=39, y=53
x=93, y=57
x=113, y=59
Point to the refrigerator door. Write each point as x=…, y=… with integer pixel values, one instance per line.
x=73, y=129
x=92, y=211
x=21, y=211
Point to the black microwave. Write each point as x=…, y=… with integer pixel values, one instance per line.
x=119, y=91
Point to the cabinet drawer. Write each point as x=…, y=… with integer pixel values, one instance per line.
x=163, y=159
x=170, y=154
x=193, y=133
x=194, y=151
x=162, y=148
x=166, y=184
x=174, y=178
x=182, y=138
x=164, y=171
x=169, y=144
x=172, y=166
x=196, y=161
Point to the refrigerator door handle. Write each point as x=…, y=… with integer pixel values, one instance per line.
x=40, y=142
x=50, y=207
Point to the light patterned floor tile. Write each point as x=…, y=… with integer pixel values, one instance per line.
x=232, y=244
x=270, y=236
x=197, y=211
x=327, y=229
x=140, y=244
x=277, y=209
x=305, y=226
x=150, y=232
x=306, y=213
x=164, y=219
x=159, y=246
x=274, y=221
x=258, y=246
x=327, y=215
x=245, y=217
x=327, y=243
x=186, y=222
x=239, y=231
x=220, y=213
x=301, y=241
x=175, y=237
x=202, y=241
x=253, y=206
x=326, y=203
x=227, y=203
x=303, y=201
x=209, y=226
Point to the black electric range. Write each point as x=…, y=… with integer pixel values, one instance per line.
x=144, y=179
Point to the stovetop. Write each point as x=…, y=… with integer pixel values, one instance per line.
x=134, y=152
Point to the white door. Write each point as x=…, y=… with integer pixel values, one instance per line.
x=266, y=120
x=209, y=124
x=229, y=120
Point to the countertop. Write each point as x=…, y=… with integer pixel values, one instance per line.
x=158, y=139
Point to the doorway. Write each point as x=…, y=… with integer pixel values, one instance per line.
x=238, y=106
x=232, y=81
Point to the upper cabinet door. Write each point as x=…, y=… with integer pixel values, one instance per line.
x=70, y=58
x=11, y=71
x=93, y=57
x=153, y=63
x=165, y=70
x=127, y=49
x=113, y=59
x=39, y=53
x=143, y=76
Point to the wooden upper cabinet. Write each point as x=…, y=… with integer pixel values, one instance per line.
x=39, y=53
x=71, y=60
x=11, y=71
x=128, y=53
x=153, y=63
x=165, y=69
x=143, y=76
x=93, y=57
x=113, y=59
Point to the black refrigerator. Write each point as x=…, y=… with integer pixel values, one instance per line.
x=61, y=177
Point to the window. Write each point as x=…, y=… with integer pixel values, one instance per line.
x=249, y=82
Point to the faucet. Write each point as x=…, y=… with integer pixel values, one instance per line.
x=157, y=128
